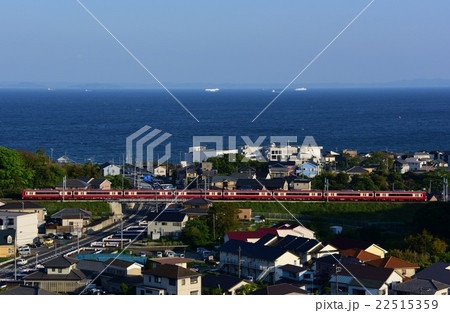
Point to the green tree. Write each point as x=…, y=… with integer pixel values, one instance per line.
x=362, y=182
x=196, y=233
x=425, y=242
x=14, y=176
x=124, y=288
x=116, y=182
x=222, y=220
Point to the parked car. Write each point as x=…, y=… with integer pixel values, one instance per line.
x=59, y=236
x=48, y=241
x=169, y=253
x=24, y=250
x=51, y=235
x=159, y=254
x=68, y=236
x=21, y=261
x=142, y=254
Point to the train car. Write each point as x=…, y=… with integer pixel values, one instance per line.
x=400, y=196
x=348, y=195
x=44, y=194
x=150, y=194
x=312, y=195
x=246, y=195
x=97, y=194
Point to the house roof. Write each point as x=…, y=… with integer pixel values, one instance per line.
x=246, y=235
x=224, y=282
x=221, y=178
x=60, y=262
x=171, y=271
x=96, y=182
x=343, y=243
x=74, y=274
x=166, y=216
x=421, y=286
x=169, y=260
x=439, y=271
x=361, y=271
x=246, y=169
x=73, y=183
x=293, y=268
x=360, y=254
x=90, y=266
x=297, y=244
x=120, y=263
x=391, y=262
x=279, y=289
x=194, y=211
x=23, y=290
x=252, y=250
x=72, y=213
x=18, y=205
x=357, y=170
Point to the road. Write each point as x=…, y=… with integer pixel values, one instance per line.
x=43, y=254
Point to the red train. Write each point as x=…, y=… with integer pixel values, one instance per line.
x=311, y=195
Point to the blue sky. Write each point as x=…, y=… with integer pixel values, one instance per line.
x=218, y=42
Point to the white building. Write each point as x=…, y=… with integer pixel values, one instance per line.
x=25, y=224
x=110, y=169
x=201, y=154
x=415, y=164
x=160, y=171
x=282, y=153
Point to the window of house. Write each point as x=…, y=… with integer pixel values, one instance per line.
x=157, y=279
x=53, y=270
x=172, y=282
x=307, y=276
x=195, y=292
x=10, y=221
x=10, y=250
x=183, y=282
x=9, y=239
x=403, y=272
x=163, y=223
x=176, y=224
x=194, y=280
x=60, y=270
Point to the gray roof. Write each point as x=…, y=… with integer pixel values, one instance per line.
x=439, y=271
x=18, y=205
x=252, y=250
x=293, y=268
x=224, y=282
x=119, y=263
x=421, y=286
x=279, y=289
x=23, y=290
x=73, y=275
x=198, y=201
x=71, y=213
x=60, y=262
x=90, y=266
x=166, y=217
x=171, y=271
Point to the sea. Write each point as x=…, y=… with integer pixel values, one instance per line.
x=92, y=125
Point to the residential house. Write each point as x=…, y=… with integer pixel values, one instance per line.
x=91, y=268
x=356, y=170
x=423, y=155
x=245, y=214
x=403, y=268
x=99, y=183
x=160, y=171
x=419, y=286
x=109, y=169
x=310, y=152
x=7, y=242
x=166, y=224
x=245, y=259
x=302, y=184
x=60, y=275
x=281, y=153
x=223, y=182
x=202, y=153
x=352, y=153
x=26, y=207
x=169, y=279
x=303, y=247
x=264, y=184
x=206, y=166
x=309, y=169
x=278, y=171
x=65, y=160
x=342, y=243
x=359, y=279
x=415, y=164
x=401, y=166
x=299, y=275
x=246, y=170
x=197, y=203
x=229, y=285
x=279, y=290
x=72, y=220
x=25, y=225
x=123, y=268
x=279, y=230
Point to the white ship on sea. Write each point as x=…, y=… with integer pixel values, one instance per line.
x=300, y=89
x=212, y=89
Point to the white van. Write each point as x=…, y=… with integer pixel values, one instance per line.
x=24, y=250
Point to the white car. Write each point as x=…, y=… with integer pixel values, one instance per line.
x=21, y=261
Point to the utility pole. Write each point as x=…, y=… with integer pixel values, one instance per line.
x=239, y=262
x=337, y=270
x=123, y=170
x=121, y=233
x=37, y=254
x=64, y=188
x=15, y=255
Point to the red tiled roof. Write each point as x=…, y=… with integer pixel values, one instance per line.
x=392, y=262
x=360, y=254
